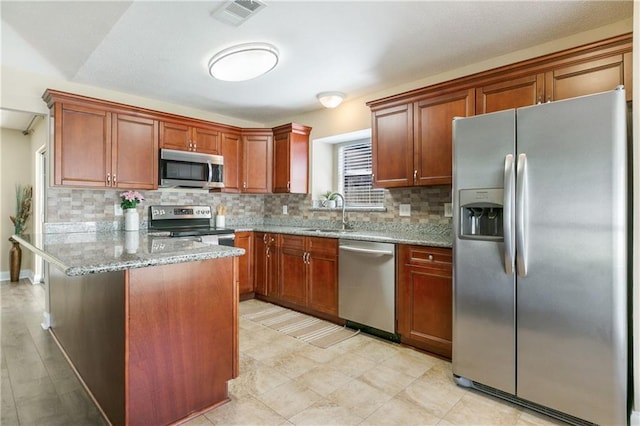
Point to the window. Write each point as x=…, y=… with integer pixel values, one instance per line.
x=355, y=175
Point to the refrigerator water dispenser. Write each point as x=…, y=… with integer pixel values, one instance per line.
x=481, y=214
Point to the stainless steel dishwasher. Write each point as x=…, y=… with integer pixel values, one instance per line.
x=367, y=285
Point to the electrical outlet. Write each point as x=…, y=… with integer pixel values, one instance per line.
x=405, y=210
x=448, y=210
x=117, y=210
x=285, y=210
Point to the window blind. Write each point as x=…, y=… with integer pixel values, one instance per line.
x=356, y=176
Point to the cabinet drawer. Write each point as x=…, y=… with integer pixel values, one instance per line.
x=292, y=242
x=431, y=257
x=324, y=245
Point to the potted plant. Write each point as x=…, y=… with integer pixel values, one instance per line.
x=329, y=199
x=24, y=195
x=130, y=200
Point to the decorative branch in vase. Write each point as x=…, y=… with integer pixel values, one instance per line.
x=24, y=195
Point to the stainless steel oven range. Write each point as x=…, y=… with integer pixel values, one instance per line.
x=193, y=222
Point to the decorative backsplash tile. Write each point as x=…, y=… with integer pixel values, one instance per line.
x=96, y=207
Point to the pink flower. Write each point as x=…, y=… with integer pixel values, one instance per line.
x=130, y=199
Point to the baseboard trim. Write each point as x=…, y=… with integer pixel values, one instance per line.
x=24, y=273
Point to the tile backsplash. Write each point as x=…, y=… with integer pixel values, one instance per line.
x=85, y=205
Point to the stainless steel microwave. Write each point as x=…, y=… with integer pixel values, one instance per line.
x=190, y=169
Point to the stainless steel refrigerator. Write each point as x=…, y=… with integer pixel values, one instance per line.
x=540, y=256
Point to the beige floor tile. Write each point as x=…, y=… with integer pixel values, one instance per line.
x=291, y=365
x=398, y=412
x=351, y=365
x=433, y=393
x=362, y=398
x=532, y=418
x=477, y=409
x=255, y=381
x=376, y=350
x=289, y=399
x=244, y=411
x=323, y=379
x=387, y=380
x=326, y=413
x=412, y=364
x=320, y=355
x=198, y=421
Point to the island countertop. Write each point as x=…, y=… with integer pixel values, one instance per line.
x=82, y=253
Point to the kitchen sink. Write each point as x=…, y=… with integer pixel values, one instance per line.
x=339, y=231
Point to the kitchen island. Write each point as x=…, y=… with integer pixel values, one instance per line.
x=148, y=324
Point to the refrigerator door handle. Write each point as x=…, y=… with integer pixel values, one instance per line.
x=507, y=209
x=521, y=209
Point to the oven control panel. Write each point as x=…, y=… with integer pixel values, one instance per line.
x=179, y=212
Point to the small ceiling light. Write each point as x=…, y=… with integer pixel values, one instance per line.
x=330, y=99
x=243, y=62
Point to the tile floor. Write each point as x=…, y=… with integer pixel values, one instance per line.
x=361, y=381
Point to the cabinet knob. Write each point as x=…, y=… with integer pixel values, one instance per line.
x=108, y=179
x=244, y=186
x=114, y=180
x=195, y=147
x=430, y=258
x=415, y=175
x=288, y=186
x=548, y=99
x=539, y=99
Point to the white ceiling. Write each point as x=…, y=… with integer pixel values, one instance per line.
x=160, y=49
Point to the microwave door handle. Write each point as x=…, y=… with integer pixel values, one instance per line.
x=210, y=172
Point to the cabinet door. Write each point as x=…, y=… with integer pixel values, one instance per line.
x=257, y=160
x=175, y=136
x=292, y=274
x=425, y=298
x=260, y=263
x=245, y=241
x=134, y=152
x=82, y=139
x=231, y=149
x=433, y=123
x=206, y=140
x=392, y=146
x=322, y=275
x=586, y=78
x=510, y=93
x=281, y=163
x=272, y=271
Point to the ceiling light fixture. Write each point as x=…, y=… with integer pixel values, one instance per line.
x=243, y=62
x=330, y=99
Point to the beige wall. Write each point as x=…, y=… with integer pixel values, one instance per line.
x=16, y=168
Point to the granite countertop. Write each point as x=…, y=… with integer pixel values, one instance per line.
x=81, y=253
x=422, y=238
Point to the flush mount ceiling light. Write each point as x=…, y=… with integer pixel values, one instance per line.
x=330, y=99
x=243, y=62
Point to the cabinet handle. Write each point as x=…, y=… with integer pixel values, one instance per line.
x=288, y=186
x=264, y=238
x=114, y=180
x=548, y=99
x=268, y=250
x=195, y=146
x=539, y=99
x=415, y=175
x=244, y=186
x=108, y=179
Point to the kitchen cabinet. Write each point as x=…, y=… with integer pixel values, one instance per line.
x=185, y=137
x=424, y=304
x=231, y=150
x=266, y=264
x=256, y=161
x=96, y=147
x=291, y=159
x=247, y=161
x=411, y=143
x=568, y=80
x=308, y=275
x=245, y=240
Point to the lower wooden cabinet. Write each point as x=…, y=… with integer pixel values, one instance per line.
x=424, y=303
x=266, y=264
x=245, y=241
x=308, y=273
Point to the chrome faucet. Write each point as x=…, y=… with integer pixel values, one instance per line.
x=344, y=206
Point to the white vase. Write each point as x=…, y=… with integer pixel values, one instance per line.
x=331, y=204
x=220, y=222
x=131, y=220
x=131, y=241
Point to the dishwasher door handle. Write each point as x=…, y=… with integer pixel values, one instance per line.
x=366, y=251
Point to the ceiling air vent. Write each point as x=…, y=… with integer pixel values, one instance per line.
x=236, y=12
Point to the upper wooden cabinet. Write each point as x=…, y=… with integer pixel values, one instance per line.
x=256, y=160
x=291, y=159
x=95, y=146
x=231, y=150
x=411, y=131
x=412, y=141
x=189, y=138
